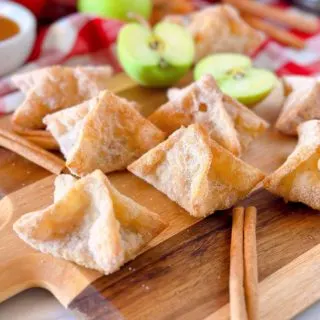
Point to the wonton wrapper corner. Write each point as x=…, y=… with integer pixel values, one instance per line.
x=302, y=104
x=298, y=179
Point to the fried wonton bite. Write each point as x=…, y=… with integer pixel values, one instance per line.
x=54, y=88
x=91, y=224
x=294, y=82
x=298, y=179
x=219, y=28
x=196, y=172
x=302, y=104
x=106, y=133
x=228, y=122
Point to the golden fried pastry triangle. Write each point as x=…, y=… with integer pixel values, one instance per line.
x=55, y=88
x=228, y=122
x=298, y=179
x=91, y=224
x=302, y=104
x=196, y=172
x=106, y=133
x=219, y=28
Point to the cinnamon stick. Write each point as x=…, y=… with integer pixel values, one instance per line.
x=31, y=151
x=250, y=264
x=48, y=143
x=276, y=33
x=41, y=138
x=265, y=11
x=30, y=132
x=236, y=288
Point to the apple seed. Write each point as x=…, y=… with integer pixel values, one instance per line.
x=163, y=63
x=154, y=45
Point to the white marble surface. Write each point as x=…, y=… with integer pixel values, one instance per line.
x=38, y=304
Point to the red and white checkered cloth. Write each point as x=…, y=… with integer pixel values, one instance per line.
x=81, y=39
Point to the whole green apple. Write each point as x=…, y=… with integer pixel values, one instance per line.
x=116, y=9
x=155, y=57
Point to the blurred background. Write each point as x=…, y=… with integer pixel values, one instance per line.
x=49, y=10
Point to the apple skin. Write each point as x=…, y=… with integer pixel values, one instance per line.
x=116, y=9
x=145, y=68
x=154, y=77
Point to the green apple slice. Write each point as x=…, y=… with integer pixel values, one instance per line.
x=248, y=86
x=158, y=57
x=220, y=64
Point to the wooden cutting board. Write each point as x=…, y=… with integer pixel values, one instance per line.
x=184, y=272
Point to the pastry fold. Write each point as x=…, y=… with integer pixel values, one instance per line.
x=298, y=179
x=219, y=28
x=196, y=172
x=228, y=122
x=90, y=223
x=302, y=104
x=106, y=133
x=54, y=88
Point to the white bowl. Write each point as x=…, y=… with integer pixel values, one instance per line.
x=15, y=50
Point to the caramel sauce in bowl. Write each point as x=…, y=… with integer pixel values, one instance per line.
x=8, y=28
x=17, y=36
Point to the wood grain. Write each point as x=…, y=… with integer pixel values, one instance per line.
x=38, y=196
x=17, y=172
x=288, y=291
x=31, y=151
x=24, y=268
x=201, y=253
x=184, y=277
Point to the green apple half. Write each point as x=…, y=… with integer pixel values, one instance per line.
x=116, y=9
x=157, y=57
x=236, y=77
